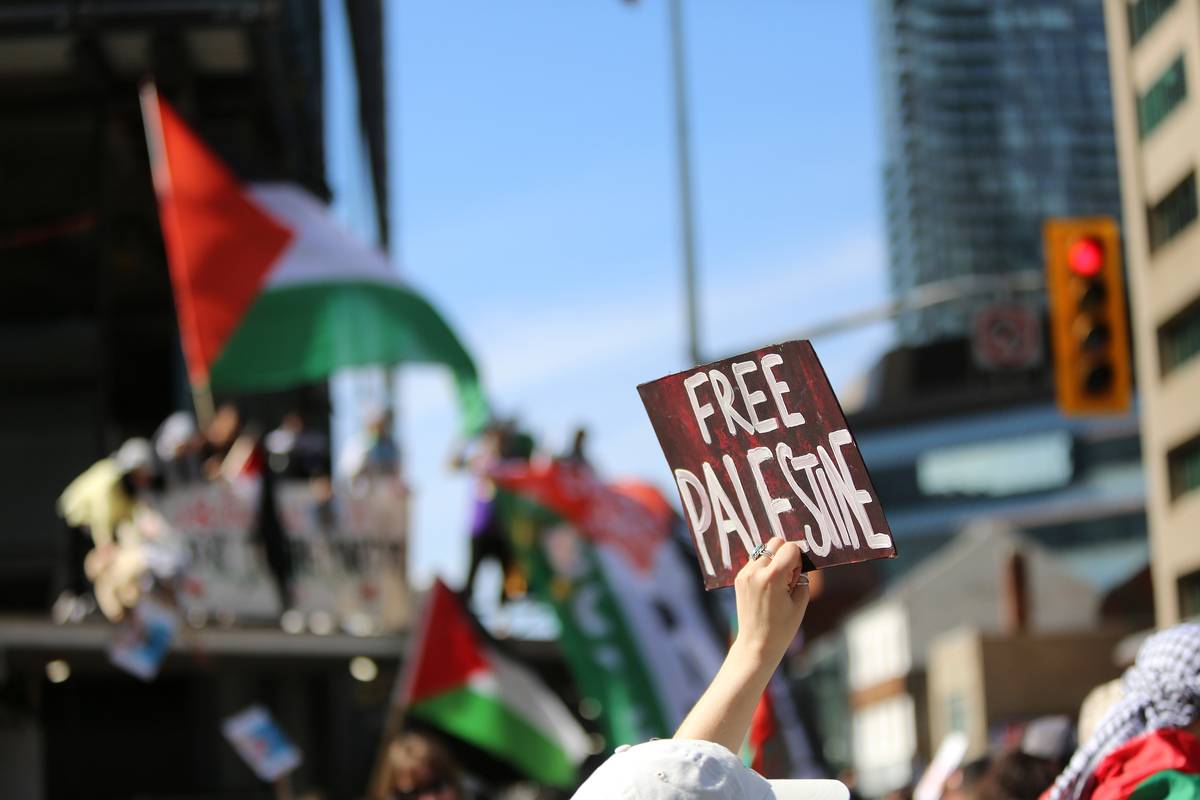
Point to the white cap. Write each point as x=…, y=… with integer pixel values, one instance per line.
x=684, y=769
x=136, y=453
x=174, y=434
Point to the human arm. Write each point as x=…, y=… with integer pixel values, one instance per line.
x=772, y=595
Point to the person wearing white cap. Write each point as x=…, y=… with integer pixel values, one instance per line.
x=699, y=762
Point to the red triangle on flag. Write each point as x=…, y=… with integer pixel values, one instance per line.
x=220, y=244
x=447, y=651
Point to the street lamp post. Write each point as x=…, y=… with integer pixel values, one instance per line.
x=684, y=175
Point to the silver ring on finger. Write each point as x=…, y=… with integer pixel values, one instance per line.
x=761, y=551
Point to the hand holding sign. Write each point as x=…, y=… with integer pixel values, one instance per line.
x=759, y=447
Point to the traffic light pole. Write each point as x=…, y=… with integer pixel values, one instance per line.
x=931, y=294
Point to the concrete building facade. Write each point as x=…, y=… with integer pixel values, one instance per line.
x=888, y=640
x=1154, y=53
x=995, y=115
x=983, y=685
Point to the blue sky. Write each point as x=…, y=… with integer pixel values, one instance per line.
x=534, y=202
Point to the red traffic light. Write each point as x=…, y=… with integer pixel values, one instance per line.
x=1085, y=257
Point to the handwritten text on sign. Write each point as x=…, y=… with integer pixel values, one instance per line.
x=759, y=447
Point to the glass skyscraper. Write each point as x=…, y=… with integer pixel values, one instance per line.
x=996, y=114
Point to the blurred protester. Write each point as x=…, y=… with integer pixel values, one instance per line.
x=1051, y=738
x=297, y=450
x=105, y=494
x=577, y=452
x=847, y=776
x=1145, y=745
x=963, y=783
x=271, y=536
x=526, y=790
x=231, y=449
x=179, y=445
x=417, y=767
x=1097, y=703
x=93, y=506
x=148, y=555
x=1015, y=775
x=500, y=441
x=383, y=457
x=220, y=434
x=374, y=452
x=699, y=762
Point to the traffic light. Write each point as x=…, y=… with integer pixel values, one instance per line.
x=1087, y=315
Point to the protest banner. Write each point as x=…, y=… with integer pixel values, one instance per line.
x=143, y=639
x=349, y=553
x=759, y=447
x=566, y=572
x=261, y=744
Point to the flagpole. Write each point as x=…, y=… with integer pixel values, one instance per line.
x=202, y=402
x=160, y=174
x=398, y=707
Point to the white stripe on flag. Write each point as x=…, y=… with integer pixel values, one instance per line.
x=323, y=251
x=516, y=687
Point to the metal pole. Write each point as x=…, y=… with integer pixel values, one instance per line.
x=683, y=167
x=936, y=293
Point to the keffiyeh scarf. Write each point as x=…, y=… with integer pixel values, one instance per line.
x=1162, y=690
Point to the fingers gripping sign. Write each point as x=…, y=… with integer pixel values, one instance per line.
x=772, y=596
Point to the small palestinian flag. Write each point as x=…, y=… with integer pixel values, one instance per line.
x=456, y=681
x=270, y=291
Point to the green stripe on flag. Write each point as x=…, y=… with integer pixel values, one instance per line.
x=1170, y=784
x=595, y=639
x=300, y=334
x=489, y=724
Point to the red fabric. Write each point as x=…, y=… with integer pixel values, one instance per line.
x=447, y=651
x=762, y=728
x=630, y=517
x=1133, y=762
x=220, y=244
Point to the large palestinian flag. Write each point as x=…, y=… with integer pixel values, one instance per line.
x=458, y=682
x=270, y=291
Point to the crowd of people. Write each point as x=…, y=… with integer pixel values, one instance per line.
x=1137, y=736
x=118, y=547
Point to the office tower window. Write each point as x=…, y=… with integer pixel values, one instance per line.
x=1143, y=14
x=996, y=115
x=1183, y=468
x=1162, y=98
x=1173, y=213
x=1179, y=338
x=1189, y=595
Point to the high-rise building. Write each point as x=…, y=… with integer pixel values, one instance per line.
x=1154, y=51
x=996, y=114
x=91, y=356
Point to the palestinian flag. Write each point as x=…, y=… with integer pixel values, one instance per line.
x=457, y=682
x=270, y=291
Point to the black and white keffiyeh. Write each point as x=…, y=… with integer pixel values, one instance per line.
x=1162, y=690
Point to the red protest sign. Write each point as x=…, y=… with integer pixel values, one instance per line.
x=759, y=447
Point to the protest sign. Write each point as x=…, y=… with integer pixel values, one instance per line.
x=759, y=447
x=261, y=743
x=349, y=555
x=143, y=639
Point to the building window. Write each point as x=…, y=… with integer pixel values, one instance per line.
x=1189, y=595
x=1179, y=338
x=1183, y=468
x=1166, y=93
x=1173, y=213
x=1143, y=14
